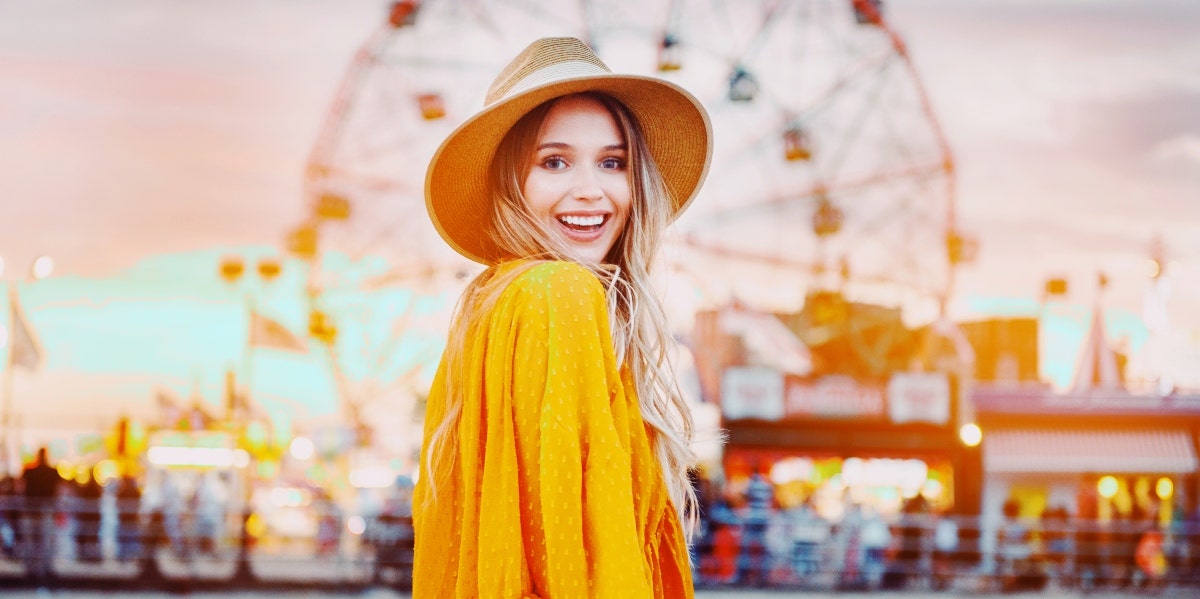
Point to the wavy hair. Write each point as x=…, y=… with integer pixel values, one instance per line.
x=640, y=333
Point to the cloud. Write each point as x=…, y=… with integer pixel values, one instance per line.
x=1184, y=148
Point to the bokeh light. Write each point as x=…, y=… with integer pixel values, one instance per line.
x=43, y=267
x=1164, y=488
x=1107, y=487
x=970, y=434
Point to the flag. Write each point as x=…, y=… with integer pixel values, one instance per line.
x=265, y=332
x=25, y=351
x=1097, y=361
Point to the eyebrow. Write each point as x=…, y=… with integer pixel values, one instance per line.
x=555, y=145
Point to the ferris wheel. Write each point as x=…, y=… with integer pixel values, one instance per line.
x=830, y=171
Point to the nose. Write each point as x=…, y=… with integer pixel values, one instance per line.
x=586, y=185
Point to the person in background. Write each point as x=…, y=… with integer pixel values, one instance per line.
x=392, y=536
x=88, y=492
x=810, y=532
x=754, y=561
x=1058, y=541
x=129, y=530
x=42, y=483
x=329, y=523
x=10, y=515
x=876, y=539
x=945, y=551
x=208, y=508
x=1014, y=546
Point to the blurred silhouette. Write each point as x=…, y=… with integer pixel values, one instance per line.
x=907, y=560
x=1014, y=544
x=10, y=515
x=329, y=523
x=809, y=534
x=849, y=547
x=876, y=540
x=753, y=560
x=41, y=492
x=87, y=519
x=207, y=506
x=945, y=551
x=129, y=532
x=392, y=537
x=1058, y=544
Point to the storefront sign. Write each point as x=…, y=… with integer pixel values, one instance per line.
x=919, y=397
x=833, y=397
x=752, y=392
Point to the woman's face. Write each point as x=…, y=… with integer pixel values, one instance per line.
x=578, y=182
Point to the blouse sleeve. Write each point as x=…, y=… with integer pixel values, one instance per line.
x=573, y=439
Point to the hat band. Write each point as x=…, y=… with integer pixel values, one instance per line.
x=569, y=69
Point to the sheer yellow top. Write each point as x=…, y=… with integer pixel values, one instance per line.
x=556, y=491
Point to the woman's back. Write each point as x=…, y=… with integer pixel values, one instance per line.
x=555, y=490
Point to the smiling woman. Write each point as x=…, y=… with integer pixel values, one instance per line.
x=556, y=440
x=577, y=184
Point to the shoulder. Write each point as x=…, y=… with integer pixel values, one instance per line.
x=555, y=281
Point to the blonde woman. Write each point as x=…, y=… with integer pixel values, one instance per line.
x=556, y=442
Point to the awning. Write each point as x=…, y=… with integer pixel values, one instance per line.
x=1051, y=451
x=768, y=342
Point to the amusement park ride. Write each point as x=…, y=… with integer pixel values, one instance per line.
x=832, y=184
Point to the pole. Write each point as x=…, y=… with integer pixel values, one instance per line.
x=248, y=354
x=6, y=408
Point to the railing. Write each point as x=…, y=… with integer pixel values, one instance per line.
x=939, y=553
x=73, y=540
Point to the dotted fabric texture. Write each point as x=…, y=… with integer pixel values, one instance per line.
x=556, y=492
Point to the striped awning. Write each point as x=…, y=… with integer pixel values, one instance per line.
x=1054, y=451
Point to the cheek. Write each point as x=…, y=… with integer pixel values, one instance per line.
x=535, y=195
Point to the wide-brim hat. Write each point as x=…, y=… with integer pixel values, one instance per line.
x=457, y=189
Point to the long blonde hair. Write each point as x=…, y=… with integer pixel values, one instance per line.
x=641, y=337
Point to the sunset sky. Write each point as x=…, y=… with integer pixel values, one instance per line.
x=142, y=140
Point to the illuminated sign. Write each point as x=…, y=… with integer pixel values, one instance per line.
x=752, y=392
x=833, y=397
x=919, y=397
x=204, y=449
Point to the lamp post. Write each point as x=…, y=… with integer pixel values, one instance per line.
x=232, y=269
x=41, y=268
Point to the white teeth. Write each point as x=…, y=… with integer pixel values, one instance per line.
x=582, y=221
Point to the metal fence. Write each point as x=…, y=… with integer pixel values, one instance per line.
x=73, y=540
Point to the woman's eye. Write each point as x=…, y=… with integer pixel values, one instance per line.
x=554, y=163
x=613, y=163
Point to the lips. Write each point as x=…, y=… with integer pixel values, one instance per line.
x=582, y=227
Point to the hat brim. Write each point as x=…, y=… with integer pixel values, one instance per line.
x=676, y=127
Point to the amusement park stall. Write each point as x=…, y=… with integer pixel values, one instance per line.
x=1100, y=454
x=830, y=435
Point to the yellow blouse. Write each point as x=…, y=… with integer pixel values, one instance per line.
x=556, y=491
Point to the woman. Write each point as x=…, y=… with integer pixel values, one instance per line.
x=556, y=442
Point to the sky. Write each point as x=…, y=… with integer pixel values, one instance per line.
x=144, y=140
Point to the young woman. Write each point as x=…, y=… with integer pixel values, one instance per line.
x=556, y=441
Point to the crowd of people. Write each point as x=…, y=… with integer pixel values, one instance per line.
x=750, y=540
x=44, y=516
x=747, y=538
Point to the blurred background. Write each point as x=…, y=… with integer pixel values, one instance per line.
x=947, y=261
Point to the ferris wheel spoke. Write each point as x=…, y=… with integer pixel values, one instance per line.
x=857, y=125
x=834, y=187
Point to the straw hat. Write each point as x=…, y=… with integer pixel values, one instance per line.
x=674, y=123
